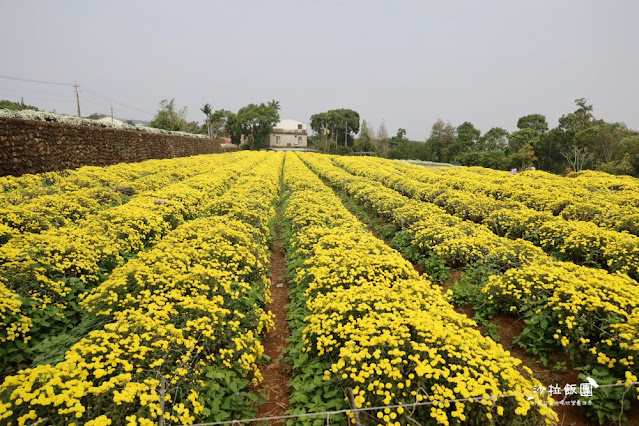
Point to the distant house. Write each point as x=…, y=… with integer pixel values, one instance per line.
x=289, y=133
x=110, y=120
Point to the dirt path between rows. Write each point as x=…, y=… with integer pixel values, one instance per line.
x=276, y=374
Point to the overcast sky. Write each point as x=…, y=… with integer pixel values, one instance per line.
x=404, y=62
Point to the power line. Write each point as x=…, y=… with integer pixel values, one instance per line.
x=112, y=100
x=92, y=98
x=35, y=81
x=85, y=89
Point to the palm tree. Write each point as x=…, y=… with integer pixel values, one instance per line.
x=275, y=104
x=207, y=110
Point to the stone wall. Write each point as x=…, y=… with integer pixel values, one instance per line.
x=35, y=146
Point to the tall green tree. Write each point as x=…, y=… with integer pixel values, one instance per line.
x=257, y=121
x=548, y=147
x=442, y=141
x=398, y=138
x=536, y=122
x=629, y=148
x=523, y=158
x=577, y=149
x=606, y=139
x=467, y=137
x=338, y=124
x=494, y=139
x=232, y=128
x=580, y=119
x=207, y=110
x=169, y=117
x=521, y=153
x=365, y=141
x=219, y=122
x=520, y=138
x=382, y=138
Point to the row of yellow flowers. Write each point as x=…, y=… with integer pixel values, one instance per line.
x=181, y=318
x=578, y=241
x=591, y=308
x=609, y=201
x=609, y=301
x=15, y=190
x=433, y=230
x=74, y=195
x=46, y=272
x=387, y=333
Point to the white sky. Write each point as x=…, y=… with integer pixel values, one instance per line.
x=404, y=62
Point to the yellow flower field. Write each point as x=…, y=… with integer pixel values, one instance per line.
x=139, y=293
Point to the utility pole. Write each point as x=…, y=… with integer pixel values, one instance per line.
x=77, y=97
x=111, y=114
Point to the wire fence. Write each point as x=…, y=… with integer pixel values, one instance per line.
x=413, y=405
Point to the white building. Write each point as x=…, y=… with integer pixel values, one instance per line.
x=289, y=133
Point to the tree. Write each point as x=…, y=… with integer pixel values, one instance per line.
x=484, y=151
x=365, y=141
x=416, y=150
x=170, y=118
x=16, y=106
x=442, y=141
x=257, y=121
x=577, y=156
x=338, y=124
x=629, y=146
x=579, y=120
x=523, y=158
x=382, y=138
x=494, y=139
x=520, y=138
x=206, y=109
x=467, y=137
x=398, y=138
x=536, y=122
x=577, y=142
x=233, y=129
x=618, y=167
x=494, y=159
x=323, y=144
x=219, y=122
x=548, y=149
x=607, y=137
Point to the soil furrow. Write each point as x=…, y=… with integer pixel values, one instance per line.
x=276, y=374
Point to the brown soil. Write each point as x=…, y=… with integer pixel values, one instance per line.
x=454, y=277
x=276, y=374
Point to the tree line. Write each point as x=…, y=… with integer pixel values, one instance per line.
x=580, y=141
